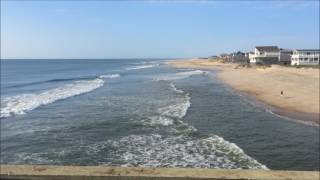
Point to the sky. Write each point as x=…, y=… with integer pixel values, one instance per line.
x=153, y=29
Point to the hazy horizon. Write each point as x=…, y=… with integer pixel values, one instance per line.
x=153, y=29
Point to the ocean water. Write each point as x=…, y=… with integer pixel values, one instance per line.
x=140, y=112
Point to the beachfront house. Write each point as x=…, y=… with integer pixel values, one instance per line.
x=238, y=57
x=285, y=56
x=305, y=57
x=213, y=57
x=265, y=55
x=224, y=56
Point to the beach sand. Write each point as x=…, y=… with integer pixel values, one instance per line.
x=300, y=86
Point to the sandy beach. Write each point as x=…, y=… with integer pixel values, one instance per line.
x=300, y=86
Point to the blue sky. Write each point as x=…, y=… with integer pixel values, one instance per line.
x=153, y=29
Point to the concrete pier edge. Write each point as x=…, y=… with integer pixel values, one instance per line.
x=123, y=173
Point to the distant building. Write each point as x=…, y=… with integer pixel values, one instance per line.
x=265, y=55
x=285, y=56
x=305, y=57
x=235, y=57
x=213, y=57
x=238, y=57
x=225, y=57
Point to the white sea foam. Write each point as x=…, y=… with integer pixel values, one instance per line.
x=154, y=150
x=175, y=89
x=167, y=114
x=178, y=110
x=181, y=151
x=141, y=67
x=180, y=75
x=20, y=104
x=110, y=76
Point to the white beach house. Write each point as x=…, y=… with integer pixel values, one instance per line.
x=265, y=55
x=305, y=57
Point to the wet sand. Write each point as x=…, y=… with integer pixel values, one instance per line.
x=300, y=86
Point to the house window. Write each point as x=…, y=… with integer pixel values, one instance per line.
x=305, y=59
x=300, y=59
x=315, y=59
x=308, y=53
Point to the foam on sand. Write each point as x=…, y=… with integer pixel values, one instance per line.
x=20, y=104
x=180, y=75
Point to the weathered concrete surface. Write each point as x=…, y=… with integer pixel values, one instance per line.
x=129, y=173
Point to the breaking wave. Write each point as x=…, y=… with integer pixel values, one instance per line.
x=157, y=149
x=154, y=150
x=141, y=67
x=20, y=104
x=180, y=75
x=110, y=76
x=175, y=89
x=166, y=115
x=49, y=81
x=182, y=151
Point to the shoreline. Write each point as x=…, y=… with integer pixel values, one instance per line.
x=289, y=115
x=264, y=84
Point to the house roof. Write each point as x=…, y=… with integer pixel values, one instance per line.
x=268, y=48
x=224, y=54
x=286, y=50
x=307, y=50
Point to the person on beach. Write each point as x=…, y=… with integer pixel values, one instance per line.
x=281, y=93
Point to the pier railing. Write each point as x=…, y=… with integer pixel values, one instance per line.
x=129, y=173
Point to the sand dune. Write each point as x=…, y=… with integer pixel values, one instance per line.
x=300, y=86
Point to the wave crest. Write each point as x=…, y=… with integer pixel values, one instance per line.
x=180, y=75
x=110, y=76
x=20, y=104
x=167, y=114
x=182, y=151
x=141, y=67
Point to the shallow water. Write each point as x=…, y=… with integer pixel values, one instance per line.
x=140, y=113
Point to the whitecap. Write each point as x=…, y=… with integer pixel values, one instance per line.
x=20, y=104
x=180, y=75
x=181, y=151
x=166, y=115
x=178, y=110
x=175, y=89
x=141, y=67
x=110, y=76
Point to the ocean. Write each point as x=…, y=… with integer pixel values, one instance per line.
x=141, y=112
